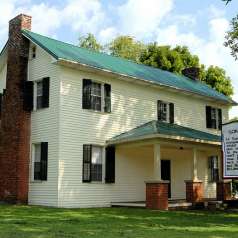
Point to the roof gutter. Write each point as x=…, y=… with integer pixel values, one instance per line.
x=63, y=61
x=161, y=136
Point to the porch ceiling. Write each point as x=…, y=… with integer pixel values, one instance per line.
x=157, y=129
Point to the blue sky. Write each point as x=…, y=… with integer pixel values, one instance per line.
x=199, y=24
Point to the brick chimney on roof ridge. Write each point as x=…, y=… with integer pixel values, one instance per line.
x=192, y=73
x=15, y=122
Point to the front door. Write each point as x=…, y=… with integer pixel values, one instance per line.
x=166, y=173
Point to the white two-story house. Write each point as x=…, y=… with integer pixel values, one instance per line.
x=91, y=129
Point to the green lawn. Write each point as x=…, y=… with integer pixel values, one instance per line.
x=41, y=222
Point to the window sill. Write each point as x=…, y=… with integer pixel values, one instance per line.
x=214, y=130
x=37, y=181
x=94, y=182
x=99, y=112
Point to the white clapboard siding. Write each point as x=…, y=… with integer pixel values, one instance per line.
x=132, y=105
x=45, y=128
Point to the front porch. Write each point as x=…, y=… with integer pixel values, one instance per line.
x=166, y=171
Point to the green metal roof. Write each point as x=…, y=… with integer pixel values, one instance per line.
x=156, y=127
x=69, y=52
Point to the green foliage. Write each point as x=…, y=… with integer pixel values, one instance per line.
x=232, y=38
x=126, y=47
x=216, y=77
x=90, y=42
x=167, y=58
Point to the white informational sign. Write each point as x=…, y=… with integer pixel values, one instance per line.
x=230, y=149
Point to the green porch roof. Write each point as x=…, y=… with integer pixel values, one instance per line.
x=69, y=52
x=153, y=128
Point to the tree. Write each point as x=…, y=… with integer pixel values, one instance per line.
x=227, y=1
x=126, y=47
x=216, y=77
x=232, y=38
x=90, y=42
x=167, y=58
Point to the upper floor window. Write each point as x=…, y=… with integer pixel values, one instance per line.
x=33, y=52
x=39, y=161
x=36, y=94
x=41, y=95
x=165, y=112
x=214, y=117
x=96, y=96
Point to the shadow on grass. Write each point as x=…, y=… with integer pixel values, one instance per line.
x=32, y=221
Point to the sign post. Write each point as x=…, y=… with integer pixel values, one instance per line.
x=230, y=150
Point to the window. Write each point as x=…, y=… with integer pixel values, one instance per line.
x=33, y=52
x=96, y=96
x=41, y=93
x=39, y=161
x=92, y=163
x=213, y=168
x=213, y=117
x=165, y=112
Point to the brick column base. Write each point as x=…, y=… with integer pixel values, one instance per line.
x=223, y=190
x=194, y=191
x=157, y=195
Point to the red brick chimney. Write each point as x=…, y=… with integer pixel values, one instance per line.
x=15, y=122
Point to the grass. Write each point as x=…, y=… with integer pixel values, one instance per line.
x=41, y=222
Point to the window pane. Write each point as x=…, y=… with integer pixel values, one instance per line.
x=37, y=162
x=96, y=172
x=39, y=95
x=163, y=111
x=96, y=169
x=96, y=103
x=96, y=97
x=96, y=155
x=39, y=88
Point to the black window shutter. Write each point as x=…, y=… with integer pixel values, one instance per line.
x=219, y=119
x=87, y=162
x=87, y=93
x=159, y=111
x=44, y=160
x=110, y=165
x=28, y=96
x=107, y=97
x=46, y=92
x=208, y=116
x=171, y=113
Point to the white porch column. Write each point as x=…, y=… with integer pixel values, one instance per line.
x=195, y=165
x=157, y=162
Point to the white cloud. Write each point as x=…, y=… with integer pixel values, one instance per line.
x=142, y=17
x=105, y=35
x=83, y=15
